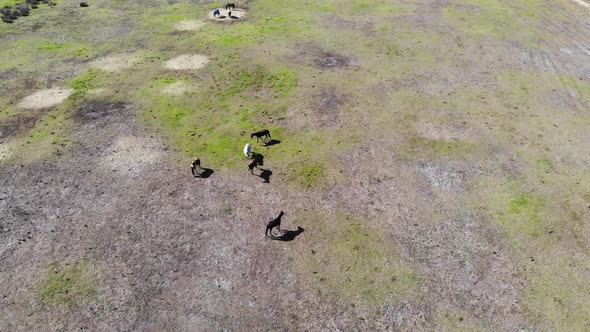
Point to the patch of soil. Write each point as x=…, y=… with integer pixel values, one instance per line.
x=582, y=3
x=366, y=27
x=17, y=125
x=322, y=111
x=445, y=177
x=328, y=105
x=320, y=58
x=99, y=110
x=176, y=88
x=115, y=63
x=187, y=61
x=331, y=60
x=189, y=25
x=8, y=74
x=6, y=150
x=446, y=132
x=130, y=155
x=45, y=98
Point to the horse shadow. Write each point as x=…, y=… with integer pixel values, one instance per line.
x=288, y=235
x=272, y=142
x=265, y=175
x=259, y=158
x=205, y=173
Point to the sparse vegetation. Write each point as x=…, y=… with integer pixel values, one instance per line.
x=68, y=284
x=435, y=152
x=353, y=262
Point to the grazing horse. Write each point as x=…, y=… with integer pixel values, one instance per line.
x=252, y=165
x=195, y=164
x=229, y=6
x=276, y=222
x=262, y=135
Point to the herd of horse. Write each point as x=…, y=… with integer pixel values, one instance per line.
x=256, y=159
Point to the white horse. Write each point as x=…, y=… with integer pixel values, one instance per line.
x=247, y=150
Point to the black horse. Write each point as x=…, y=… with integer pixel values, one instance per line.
x=229, y=6
x=276, y=222
x=263, y=135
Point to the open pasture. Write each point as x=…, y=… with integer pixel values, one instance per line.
x=435, y=152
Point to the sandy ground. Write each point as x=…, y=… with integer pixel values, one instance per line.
x=6, y=150
x=187, y=61
x=129, y=156
x=45, y=98
x=239, y=13
x=189, y=25
x=583, y=3
x=176, y=88
x=114, y=63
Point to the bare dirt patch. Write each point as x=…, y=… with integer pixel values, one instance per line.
x=45, y=98
x=176, y=88
x=17, y=125
x=441, y=131
x=320, y=57
x=189, y=25
x=366, y=27
x=328, y=106
x=6, y=150
x=324, y=110
x=8, y=74
x=129, y=156
x=187, y=61
x=97, y=110
x=451, y=176
x=331, y=60
x=582, y=3
x=114, y=63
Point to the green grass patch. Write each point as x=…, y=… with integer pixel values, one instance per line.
x=283, y=81
x=420, y=147
x=503, y=20
x=85, y=82
x=353, y=262
x=522, y=217
x=215, y=119
x=308, y=173
x=168, y=80
x=68, y=284
x=546, y=237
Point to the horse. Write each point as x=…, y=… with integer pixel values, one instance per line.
x=229, y=6
x=247, y=150
x=276, y=222
x=195, y=164
x=261, y=135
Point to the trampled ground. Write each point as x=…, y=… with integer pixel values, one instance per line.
x=436, y=154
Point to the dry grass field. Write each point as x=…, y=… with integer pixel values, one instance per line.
x=436, y=154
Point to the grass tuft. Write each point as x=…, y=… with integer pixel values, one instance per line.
x=68, y=284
